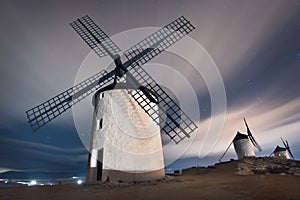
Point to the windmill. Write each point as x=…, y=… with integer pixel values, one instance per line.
x=242, y=144
x=127, y=92
x=283, y=152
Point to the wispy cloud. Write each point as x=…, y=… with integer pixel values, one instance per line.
x=43, y=147
x=267, y=121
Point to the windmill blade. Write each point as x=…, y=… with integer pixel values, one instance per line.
x=255, y=143
x=220, y=159
x=248, y=129
x=251, y=137
x=176, y=124
x=287, y=146
x=289, y=149
x=290, y=152
x=47, y=111
x=157, y=42
x=95, y=37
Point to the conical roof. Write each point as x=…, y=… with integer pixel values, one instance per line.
x=278, y=148
x=240, y=136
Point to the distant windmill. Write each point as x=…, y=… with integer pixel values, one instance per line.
x=242, y=144
x=129, y=107
x=283, y=152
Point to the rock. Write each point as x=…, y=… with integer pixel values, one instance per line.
x=244, y=169
x=267, y=165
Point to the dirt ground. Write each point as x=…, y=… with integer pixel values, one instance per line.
x=198, y=183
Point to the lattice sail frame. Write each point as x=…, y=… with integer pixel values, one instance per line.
x=157, y=42
x=143, y=52
x=81, y=25
x=176, y=123
x=47, y=111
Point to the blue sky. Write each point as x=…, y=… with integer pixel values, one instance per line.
x=255, y=45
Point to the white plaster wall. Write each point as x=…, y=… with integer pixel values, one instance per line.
x=130, y=138
x=282, y=154
x=243, y=148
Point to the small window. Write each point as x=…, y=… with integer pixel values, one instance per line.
x=100, y=123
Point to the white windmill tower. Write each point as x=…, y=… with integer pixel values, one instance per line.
x=130, y=108
x=283, y=152
x=243, y=144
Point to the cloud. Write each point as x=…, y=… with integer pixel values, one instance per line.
x=27, y=155
x=43, y=147
x=237, y=32
x=268, y=122
x=3, y=170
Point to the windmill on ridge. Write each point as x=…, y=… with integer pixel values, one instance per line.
x=130, y=108
x=283, y=152
x=242, y=144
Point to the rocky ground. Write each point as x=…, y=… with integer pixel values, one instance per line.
x=251, y=178
x=271, y=165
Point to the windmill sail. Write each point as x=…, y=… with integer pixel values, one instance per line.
x=286, y=145
x=94, y=37
x=157, y=42
x=47, y=111
x=220, y=159
x=251, y=137
x=177, y=124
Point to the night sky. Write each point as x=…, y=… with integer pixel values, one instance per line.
x=254, y=44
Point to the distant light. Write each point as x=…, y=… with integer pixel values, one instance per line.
x=6, y=182
x=33, y=182
x=79, y=182
x=24, y=183
x=74, y=177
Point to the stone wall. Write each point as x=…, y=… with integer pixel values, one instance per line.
x=268, y=165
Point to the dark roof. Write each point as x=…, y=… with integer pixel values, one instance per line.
x=240, y=136
x=278, y=148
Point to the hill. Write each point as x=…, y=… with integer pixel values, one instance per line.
x=266, y=178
